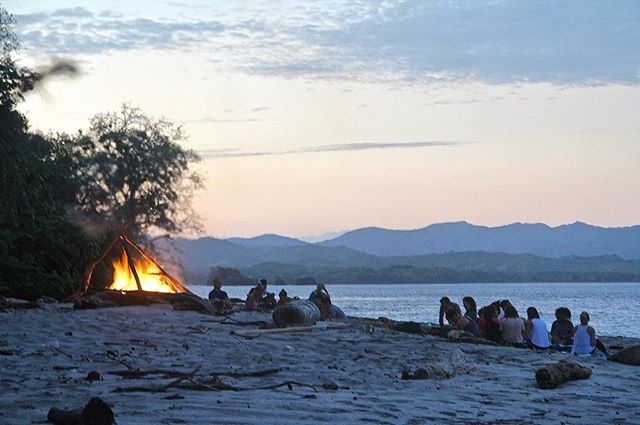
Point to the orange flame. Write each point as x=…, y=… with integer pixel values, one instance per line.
x=151, y=277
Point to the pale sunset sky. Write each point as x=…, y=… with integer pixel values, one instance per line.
x=314, y=117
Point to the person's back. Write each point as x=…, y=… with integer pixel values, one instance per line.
x=584, y=338
x=336, y=313
x=512, y=330
x=562, y=331
x=539, y=334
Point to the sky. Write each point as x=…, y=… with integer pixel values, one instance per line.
x=315, y=117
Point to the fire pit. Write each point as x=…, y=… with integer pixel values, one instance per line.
x=138, y=279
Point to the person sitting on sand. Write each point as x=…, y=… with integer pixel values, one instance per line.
x=503, y=308
x=284, y=298
x=512, y=328
x=470, y=308
x=584, y=337
x=331, y=311
x=219, y=298
x=490, y=328
x=457, y=321
x=320, y=292
x=536, y=330
x=254, y=298
x=268, y=302
x=445, y=305
x=562, y=329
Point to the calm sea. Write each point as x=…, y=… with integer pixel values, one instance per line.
x=612, y=306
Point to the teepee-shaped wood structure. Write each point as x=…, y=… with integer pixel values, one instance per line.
x=134, y=274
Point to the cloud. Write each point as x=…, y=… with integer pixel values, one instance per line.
x=237, y=153
x=408, y=42
x=219, y=120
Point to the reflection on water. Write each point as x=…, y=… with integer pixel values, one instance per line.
x=613, y=306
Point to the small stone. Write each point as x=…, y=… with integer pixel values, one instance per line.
x=93, y=376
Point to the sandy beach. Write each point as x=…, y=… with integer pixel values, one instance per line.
x=351, y=374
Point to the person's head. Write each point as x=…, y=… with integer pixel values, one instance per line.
x=320, y=287
x=504, y=304
x=563, y=313
x=511, y=312
x=584, y=318
x=469, y=304
x=489, y=312
x=451, y=315
x=532, y=313
x=445, y=302
x=263, y=283
x=217, y=283
x=283, y=294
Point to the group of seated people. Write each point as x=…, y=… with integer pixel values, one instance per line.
x=499, y=322
x=259, y=299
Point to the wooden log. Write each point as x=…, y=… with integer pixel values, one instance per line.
x=253, y=333
x=177, y=286
x=180, y=301
x=89, y=272
x=554, y=375
x=132, y=267
x=299, y=312
x=95, y=412
x=630, y=356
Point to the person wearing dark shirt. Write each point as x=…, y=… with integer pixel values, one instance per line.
x=320, y=293
x=219, y=298
x=457, y=321
x=562, y=328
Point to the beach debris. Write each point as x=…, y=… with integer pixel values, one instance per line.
x=299, y=312
x=93, y=376
x=95, y=412
x=464, y=336
x=457, y=364
x=408, y=327
x=254, y=333
x=19, y=304
x=180, y=301
x=629, y=355
x=554, y=375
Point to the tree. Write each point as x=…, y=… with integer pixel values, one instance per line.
x=41, y=252
x=135, y=174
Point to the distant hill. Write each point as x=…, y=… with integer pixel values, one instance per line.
x=269, y=240
x=341, y=264
x=577, y=239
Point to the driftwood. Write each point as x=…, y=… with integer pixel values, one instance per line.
x=456, y=364
x=554, y=375
x=407, y=327
x=630, y=356
x=299, y=312
x=464, y=336
x=96, y=412
x=254, y=333
x=180, y=301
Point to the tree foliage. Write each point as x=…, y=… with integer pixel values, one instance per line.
x=128, y=171
x=41, y=252
x=135, y=174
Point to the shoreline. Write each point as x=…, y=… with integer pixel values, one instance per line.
x=353, y=373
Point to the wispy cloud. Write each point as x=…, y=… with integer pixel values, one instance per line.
x=410, y=41
x=237, y=153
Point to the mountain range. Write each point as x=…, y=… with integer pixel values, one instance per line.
x=451, y=251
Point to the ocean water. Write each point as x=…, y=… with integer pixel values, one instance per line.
x=613, y=307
